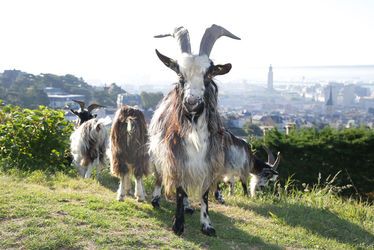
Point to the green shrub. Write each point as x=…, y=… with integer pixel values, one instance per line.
x=306, y=153
x=33, y=139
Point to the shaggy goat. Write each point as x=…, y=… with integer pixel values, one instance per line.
x=241, y=162
x=185, y=140
x=88, y=141
x=129, y=152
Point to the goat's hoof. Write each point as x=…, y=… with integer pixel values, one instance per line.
x=189, y=210
x=208, y=230
x=156, y=202
x=178, y=227
x=120, y=198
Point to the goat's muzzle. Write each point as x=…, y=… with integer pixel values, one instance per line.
x=193, y=106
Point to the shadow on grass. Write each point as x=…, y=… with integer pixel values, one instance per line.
x=108, y=181
x=228, y=236
x=318, y=221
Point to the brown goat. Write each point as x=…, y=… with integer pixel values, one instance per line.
x=129, y=152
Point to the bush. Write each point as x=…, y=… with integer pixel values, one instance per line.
x=33, y=139
x=306, y=153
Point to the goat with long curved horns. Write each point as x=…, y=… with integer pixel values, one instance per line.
x=185, y=141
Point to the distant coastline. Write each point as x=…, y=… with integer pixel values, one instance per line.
x=327, y=66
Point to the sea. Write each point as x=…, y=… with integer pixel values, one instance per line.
x=351, y=74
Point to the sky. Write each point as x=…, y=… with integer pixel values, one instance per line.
x=112, y=40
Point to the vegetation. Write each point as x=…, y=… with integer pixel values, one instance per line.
x=33, y=139
x=44, y=205
x=41, y=211
x=27, y=90
x=150, y=100
x=307, y=153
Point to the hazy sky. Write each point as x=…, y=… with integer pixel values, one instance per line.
x=112, y=41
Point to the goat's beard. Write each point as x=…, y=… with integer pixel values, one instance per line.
x=195, y=114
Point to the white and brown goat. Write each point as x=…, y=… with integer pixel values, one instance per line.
x=89, y=141
x=129, y=151
x=185, y=144
x=241, y=162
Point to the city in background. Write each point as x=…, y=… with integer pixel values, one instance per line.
x=285, y=98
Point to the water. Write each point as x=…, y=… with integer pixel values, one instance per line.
x=355, y=74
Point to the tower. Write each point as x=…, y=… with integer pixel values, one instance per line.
x=329, y=102
x=270, y=78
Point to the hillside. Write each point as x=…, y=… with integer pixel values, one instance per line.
x=28, y=90
x=49, y=212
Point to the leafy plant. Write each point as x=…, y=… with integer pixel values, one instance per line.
x=306, y=153
x=33, y=139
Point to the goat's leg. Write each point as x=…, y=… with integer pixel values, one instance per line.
x=89, y=171
x=218, y=194
x=156, y=196
x=121, y=189
x=139, y=189
x=178, y=224
x=232, y=185
x=243, y=180
x=127, y=185
x=206, y=225
x=187, y=206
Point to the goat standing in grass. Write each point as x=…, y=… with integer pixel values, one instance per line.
x=128, y=150
x=241, y=162
x=185, y=141
x=88, y=141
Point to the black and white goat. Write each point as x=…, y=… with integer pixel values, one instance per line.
x=89, y=141
x=129, y=151
x=241, y=162
x=185, y=141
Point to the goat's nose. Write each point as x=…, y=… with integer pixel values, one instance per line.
x=192, y=100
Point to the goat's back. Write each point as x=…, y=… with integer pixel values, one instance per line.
x=129, y=142
x=88, y=142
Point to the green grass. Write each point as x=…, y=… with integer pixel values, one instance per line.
x=49, y=212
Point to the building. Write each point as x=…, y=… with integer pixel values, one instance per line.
x=58, y=99
x=61, y=101
x=128, y=99
x=329, y=102
x=270, y=79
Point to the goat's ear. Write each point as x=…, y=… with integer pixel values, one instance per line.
x=221, y=69
x=170, y=63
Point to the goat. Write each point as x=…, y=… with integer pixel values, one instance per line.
x=185, y=144
x=129, y=152
x=89, y=140
x=241, y=162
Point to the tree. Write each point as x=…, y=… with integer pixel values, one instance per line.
x=150, y=100
x=252, y=129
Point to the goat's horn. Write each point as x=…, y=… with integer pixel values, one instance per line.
x=276, y=163
x=81, y=104
x=210, y=37
x=183, y=38
x=271, y=158
x=94, y=106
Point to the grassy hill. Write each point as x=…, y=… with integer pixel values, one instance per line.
x=48, y=212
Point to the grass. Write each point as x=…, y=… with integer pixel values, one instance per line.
x=38, y=211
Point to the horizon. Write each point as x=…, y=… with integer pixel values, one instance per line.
x=113, y=41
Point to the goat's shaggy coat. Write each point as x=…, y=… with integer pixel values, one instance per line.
x=88, y=146
x=128, y=146
x=186, y=153
x=241, y=162
x=185, y=141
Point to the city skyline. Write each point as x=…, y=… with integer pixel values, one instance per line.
x=113, y=42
